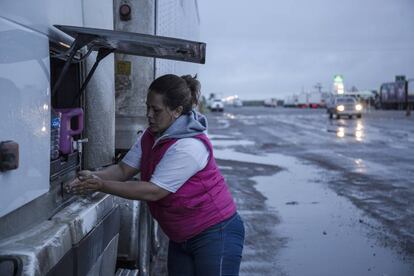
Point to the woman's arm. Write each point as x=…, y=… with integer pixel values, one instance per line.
x=137, y=190
x=118, y=172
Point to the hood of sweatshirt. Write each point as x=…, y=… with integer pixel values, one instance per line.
x=187, y=125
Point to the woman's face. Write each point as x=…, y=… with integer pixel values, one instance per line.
x=160, y=116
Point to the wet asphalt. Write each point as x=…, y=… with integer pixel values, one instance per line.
x=320, y=196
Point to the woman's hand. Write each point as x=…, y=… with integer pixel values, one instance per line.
x=89, y=185
x=85, y=182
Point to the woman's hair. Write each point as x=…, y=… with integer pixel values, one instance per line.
x=176, y=91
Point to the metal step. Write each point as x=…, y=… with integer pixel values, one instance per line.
x=127, y=272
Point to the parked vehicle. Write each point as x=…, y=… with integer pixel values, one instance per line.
x=237, y=103
x=302, y=100
x=217, y=105
x=58, y=117
x=270, y=102
x=290, y=101
x=307, y=100
x=344, y=106
x=317, y=99
x=392, y=94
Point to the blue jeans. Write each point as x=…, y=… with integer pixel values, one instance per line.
x=215, y=251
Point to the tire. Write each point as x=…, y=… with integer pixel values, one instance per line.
x=350, y=116
x=330, y=116
x=359, y=116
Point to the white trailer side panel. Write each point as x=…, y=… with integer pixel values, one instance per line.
x=100, y=92
x=42, y=14
x=26, y=29
x=178, y=19
x=24, y=112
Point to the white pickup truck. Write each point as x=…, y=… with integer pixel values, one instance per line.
x=344, y=106
x=216, y=105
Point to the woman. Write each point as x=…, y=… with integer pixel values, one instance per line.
x=181, y=182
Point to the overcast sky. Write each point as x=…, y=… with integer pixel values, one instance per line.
x=272, y=48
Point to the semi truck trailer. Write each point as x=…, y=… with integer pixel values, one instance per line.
x=62, y=104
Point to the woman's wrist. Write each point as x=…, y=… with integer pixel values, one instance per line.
x=102, y=187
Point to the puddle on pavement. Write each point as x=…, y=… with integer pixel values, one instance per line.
x=326, y=234
x=217, y=137
x=230, y=143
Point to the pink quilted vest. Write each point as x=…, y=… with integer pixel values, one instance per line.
x=203, y=201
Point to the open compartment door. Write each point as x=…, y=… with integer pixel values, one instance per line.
x=138, y=44
x=106, y=42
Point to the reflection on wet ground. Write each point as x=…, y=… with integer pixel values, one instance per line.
x=343, y=128
x=322, y=228
x=323, y=231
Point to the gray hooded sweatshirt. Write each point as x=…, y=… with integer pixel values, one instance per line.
x=187, y=125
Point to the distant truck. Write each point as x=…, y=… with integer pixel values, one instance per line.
x=302, y=100
x=392, y=94
x=307, y=100
x=216, y=105
x=237, y=103
x=290, y=101
x=317, y=99
x=270, y=102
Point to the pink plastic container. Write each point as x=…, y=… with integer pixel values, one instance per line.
x=67, y=129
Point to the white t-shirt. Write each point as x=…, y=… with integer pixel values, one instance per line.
x=181, y=161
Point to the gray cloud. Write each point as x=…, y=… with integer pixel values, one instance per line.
x=274, y=48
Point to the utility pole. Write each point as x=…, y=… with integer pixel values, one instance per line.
x=407, y=106
x=404, y=81
x=318, y=86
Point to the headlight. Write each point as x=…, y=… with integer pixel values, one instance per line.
x=340, y=132
x=340, y=108
x=358, y=107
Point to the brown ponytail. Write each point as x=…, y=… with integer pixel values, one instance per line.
x=177, y=91
x=194, y=86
